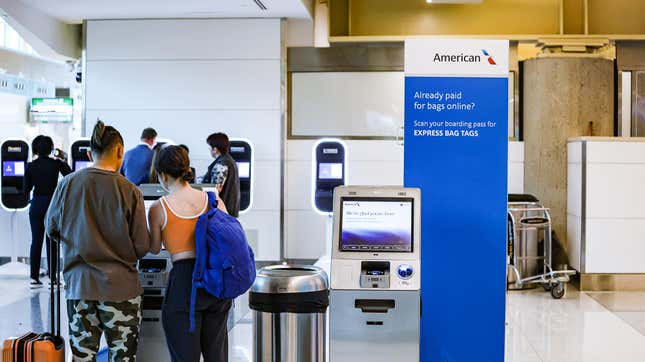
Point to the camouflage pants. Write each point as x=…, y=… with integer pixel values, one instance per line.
x=118, y=320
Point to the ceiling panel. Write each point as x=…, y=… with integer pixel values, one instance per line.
x=75, y=11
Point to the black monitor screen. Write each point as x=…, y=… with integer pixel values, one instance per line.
x=376, y=225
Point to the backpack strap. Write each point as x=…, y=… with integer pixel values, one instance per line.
x=201, y=255
x=212, y=200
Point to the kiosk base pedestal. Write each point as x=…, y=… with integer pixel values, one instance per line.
x=374, y=326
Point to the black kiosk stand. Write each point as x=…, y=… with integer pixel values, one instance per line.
x=242, y=152
x=15, y=155
x=329, y=171
x=79, y=154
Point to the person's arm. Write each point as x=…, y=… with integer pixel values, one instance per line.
x=54, y=213
x=155, y=222
x=64, y=168
x=219, y=175
x=139, y=226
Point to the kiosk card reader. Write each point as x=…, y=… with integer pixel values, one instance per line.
x=14, y=158
x=329, y=171
x=242, y=152
x=79, y=157
x=375, y=299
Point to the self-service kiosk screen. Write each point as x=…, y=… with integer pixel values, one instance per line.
x=383, y=225
x=244, y=169
x=79, y=165
x=13, y=168
x=330, y=171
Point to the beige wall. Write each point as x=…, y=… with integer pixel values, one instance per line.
x=490, y=17
x=616, y=17
x=378, y=17
x=561, y=97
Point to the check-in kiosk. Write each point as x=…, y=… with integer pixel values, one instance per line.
x=375, y=275
x=14, y=158
x=329, y=171
x=79, y=154
x=242, y=152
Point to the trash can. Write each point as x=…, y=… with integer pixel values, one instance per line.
x=289, y=305
x=523, y=251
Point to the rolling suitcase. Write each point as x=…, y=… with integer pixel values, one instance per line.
x=44, y=347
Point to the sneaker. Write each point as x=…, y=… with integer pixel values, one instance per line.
x=35, y=284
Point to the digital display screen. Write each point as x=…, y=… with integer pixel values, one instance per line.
x=330, y=171
x=79, y=165
x=244, y=169
x=376, y=225
x=13, y=168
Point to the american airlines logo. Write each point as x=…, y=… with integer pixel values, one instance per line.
x=463, y=58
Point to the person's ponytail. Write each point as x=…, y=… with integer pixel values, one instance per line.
x=188, y=175
x=97, y=137
x=104, y=138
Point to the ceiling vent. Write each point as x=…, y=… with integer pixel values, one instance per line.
x=260, y=4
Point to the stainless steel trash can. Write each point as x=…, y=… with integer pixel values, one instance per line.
x=289, y=305
x=522, y=242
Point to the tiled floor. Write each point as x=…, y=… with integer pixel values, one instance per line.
x=599, y=327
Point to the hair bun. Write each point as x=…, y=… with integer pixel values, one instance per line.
x=97, y=135
x=188, y=175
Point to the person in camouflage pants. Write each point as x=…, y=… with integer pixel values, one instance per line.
x=119, y=321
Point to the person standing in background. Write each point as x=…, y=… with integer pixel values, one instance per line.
x=42, y=175
x=99, y=217
x=137, y=161
x=223, y=173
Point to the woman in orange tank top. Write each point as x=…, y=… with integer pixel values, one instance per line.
x=172, y=221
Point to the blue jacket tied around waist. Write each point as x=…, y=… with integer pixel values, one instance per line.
x=225, y=265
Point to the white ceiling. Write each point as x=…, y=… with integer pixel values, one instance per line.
x=75, y=11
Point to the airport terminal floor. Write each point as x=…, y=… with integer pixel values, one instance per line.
x=582, y=327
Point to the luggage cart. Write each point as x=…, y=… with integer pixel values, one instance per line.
x=526, y=214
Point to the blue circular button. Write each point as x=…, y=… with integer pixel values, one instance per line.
x=405, y=271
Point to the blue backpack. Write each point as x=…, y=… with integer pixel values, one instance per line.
x=224, y=265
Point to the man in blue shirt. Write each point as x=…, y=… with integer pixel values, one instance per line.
x=137, y=161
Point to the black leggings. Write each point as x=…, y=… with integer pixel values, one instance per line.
x=211, y=335
x=37, y=212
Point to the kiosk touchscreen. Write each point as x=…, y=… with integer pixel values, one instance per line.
x=242, y=153
x=375, y=274
x=14, y=158
x=79, y=154
x=329, y=171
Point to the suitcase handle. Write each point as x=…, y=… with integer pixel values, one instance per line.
x=54, y=282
